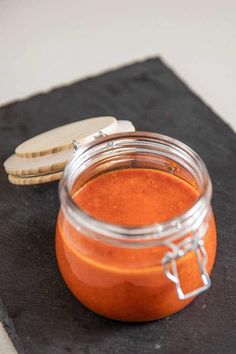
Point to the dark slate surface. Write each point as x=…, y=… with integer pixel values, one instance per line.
x=44, y=318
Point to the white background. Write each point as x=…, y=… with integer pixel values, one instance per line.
x=51, y=42
x=48, y=43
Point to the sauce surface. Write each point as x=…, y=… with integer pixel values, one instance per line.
x=136, y=197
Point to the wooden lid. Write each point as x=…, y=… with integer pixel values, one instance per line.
x=36, y=165
x=61, y=138
x=23, y=181
x=21, y=166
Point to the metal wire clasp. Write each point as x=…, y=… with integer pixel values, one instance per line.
x=100, y=135
x=170, y=268
x=75, y=145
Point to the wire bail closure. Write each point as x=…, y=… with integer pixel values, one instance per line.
x=100, y=135
x=195, y=244
x=76, y=145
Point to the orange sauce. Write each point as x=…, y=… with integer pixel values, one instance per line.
x=124, y=283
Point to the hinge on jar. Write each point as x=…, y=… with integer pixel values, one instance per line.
x=76, y=145
x=100, y=135
x=195, y=244
x=103, y=135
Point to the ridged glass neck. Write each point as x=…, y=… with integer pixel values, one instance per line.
x=135, y=150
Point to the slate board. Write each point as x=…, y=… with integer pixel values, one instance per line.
x=39, y=312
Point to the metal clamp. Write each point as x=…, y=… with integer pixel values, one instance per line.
x=180, y=250
x=100, y=135
x=76, y=145
x=103, y=135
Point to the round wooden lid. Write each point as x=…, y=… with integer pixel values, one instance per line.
x=22, y=181
x=21, y=166
x=61, y=138
x=35, y=166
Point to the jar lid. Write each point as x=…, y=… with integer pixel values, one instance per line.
x=42, y=158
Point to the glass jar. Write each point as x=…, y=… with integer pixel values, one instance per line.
x=135, y=273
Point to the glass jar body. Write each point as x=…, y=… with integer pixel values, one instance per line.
x=126, y=284
x=124, y=279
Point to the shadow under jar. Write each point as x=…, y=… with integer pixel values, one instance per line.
x=136, y=273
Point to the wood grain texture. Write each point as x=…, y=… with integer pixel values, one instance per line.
x=41, y=313
x=40, y=165
x=22, y=166
x=28, y=181
x=61, y=138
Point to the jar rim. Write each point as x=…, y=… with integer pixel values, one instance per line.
x=182, y=223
